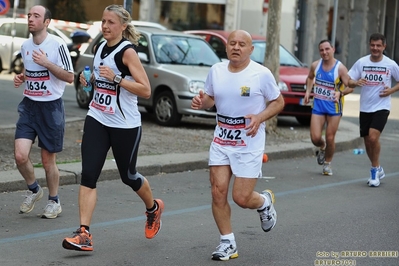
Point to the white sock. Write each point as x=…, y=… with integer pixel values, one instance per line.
x=229, y=237
x=265, y=203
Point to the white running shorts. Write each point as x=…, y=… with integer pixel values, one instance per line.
x=246, y=165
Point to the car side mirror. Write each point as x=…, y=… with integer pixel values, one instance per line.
x=143, y=57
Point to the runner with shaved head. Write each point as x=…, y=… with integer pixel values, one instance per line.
x=239, y=88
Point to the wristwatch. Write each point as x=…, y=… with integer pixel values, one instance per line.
x=117, y=79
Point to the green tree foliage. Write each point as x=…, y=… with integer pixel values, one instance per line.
x=67, y=10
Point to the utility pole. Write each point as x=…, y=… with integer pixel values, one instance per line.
x=272, y=55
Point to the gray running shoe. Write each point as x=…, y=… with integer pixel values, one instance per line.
x=320, y=154
x=225, y=251
x=52, y=209
x=30, y=199
x=327, y=169
x=268, y=216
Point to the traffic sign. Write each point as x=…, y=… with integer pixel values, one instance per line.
x=265, y=6
x=4, y=7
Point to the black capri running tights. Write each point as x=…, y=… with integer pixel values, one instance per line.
x=97, y=139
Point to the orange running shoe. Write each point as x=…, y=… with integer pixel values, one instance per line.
x=81, y=241
x=154, y=223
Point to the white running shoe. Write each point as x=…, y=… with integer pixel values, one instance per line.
x=327, y=169
x=381, y=173
x=52, y=209
x=30, y=199
x=225, y=251
x=374, y=180
x=268, y=216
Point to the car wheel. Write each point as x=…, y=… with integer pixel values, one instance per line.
x=165, y=109
x=17, y=65
x=303, y=120
x=83, y=97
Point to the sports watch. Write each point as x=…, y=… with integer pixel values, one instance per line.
x=117, y=79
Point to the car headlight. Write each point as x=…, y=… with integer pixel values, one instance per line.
x=195, y=86
x=282, y=86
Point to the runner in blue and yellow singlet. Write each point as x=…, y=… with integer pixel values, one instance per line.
x=325, y=85
x=328, y=77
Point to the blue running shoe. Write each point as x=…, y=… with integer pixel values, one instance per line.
x=374, y=180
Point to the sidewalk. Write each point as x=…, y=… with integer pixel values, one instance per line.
x=346, y=138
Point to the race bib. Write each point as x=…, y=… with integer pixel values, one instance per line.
x=376, y=75
x=36, y=83
x=104, y=98
x=324, y=90
x=230, y=131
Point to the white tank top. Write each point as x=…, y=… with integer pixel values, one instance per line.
x=40, y=84
x=112, y=105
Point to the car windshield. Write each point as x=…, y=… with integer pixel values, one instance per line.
x=286, y=58
x=183, y=51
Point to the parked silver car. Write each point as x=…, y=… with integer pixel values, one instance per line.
x=176, y=64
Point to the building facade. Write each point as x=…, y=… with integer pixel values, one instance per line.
x=356, y=20
x=303, y=22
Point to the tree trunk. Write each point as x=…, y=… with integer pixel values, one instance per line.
x=272, y=55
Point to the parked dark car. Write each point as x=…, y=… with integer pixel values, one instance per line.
x=177, y=65
x=293, y=73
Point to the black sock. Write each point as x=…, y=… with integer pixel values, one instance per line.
x=153, y=208
x=86, y=227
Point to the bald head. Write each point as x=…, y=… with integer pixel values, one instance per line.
x=241, y=35
x=239, y=49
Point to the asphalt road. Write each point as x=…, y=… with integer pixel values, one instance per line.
x=320, y=219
